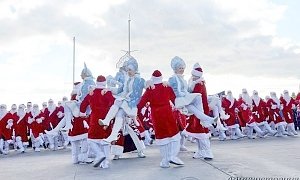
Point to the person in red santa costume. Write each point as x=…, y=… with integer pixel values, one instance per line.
x=165, y=127
x=35, y=119
x=230, y=104
x=6, y=123
x=288, y=105
x=13, y=112
x=245, y=107
x=44, y=106
x=100, y=104
x=21, y=128
x=259, y=113
x=50, y=122
x=210, y=103
x=71, y=108
x=267, y=114
x=148, y=124
x=60, y=115
x=188, y=103
x=274, y=112
x=28, y=111
x=78, y=134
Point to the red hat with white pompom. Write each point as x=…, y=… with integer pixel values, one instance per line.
x=156, y=77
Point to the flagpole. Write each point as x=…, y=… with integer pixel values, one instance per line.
x=73, y=61
x=129, y=35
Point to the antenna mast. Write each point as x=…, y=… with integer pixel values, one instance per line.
x=73, y=61
x=129, y=35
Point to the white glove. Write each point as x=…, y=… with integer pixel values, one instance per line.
x=165, y=83
x=82, y=114
x=86, y=125
x=39, y=120
x=244, y=106
x=273, y=106
x=104, y=91
x=60, y=114
x=30, y=120
x=281, y=107
x=150, y=84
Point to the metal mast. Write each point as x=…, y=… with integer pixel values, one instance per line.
x=129, y=35
x=73, y=61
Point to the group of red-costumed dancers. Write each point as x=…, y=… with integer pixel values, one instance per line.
x=124, y=113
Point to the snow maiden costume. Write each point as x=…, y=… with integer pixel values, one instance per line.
x=186, y=101
x=127, y=96
x=72, y=107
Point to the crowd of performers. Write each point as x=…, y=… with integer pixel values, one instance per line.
x=124, y=113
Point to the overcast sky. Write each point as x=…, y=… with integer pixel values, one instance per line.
x=239, y=43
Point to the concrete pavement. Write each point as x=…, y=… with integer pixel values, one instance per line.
x=269, y=157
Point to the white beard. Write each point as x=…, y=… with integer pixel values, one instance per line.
x=256, y=99
x=191, y=83
x=12, y=111
x=21, y=114
x=231, y=99
x=3, y=113
x=28, y=110
x=51, y=108
x=287, y=98
x=247, y=99
x=276, y=100
x=35, y=112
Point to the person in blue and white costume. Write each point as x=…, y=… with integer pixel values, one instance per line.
x=188, y=103
x=71, y=108
x=128, y=94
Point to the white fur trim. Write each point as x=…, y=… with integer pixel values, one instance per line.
x=78, y=137
x=156, y=80
x=198, y=135
x=101, y=85
x=197, y=73
x=261, y=123
x=165, y=141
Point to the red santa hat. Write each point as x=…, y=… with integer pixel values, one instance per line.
x=101, y=82
x=197, y=70
x=156, y=77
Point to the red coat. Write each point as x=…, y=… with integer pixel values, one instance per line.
x=4, y=132
x=274, y=113
x=258, y=111
x=36, y=127
x=14, y=116
x=51, y=118
x=78, y=131
x=194, y=126
x=287, y=110
x=230, y=110
x=298, y=98
x=201, y=88
x=163, y=121
x=246, y=114
x=21, y=128
x=100, y=105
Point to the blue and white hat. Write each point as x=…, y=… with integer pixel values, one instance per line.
x=177, y=62
x=86, y=71
x=132, y=64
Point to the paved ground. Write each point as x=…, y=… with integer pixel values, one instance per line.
x=270, y=157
